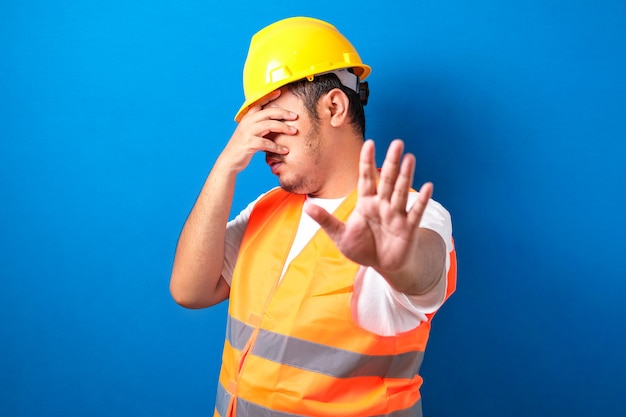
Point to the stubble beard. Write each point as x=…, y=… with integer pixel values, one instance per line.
x=301, y=183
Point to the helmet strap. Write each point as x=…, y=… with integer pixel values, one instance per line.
x=350, y=80
x=347, y=78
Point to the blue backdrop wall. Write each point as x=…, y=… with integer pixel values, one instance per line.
x=112, y=112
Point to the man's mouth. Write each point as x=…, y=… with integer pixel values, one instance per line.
x=274, y=161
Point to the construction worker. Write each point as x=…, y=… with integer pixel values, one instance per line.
x=333, y=277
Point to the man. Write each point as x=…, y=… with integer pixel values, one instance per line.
x=330, y=322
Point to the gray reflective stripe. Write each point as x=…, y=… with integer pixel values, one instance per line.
x=248, y=409
x=337, y=363
x=221, y=400
x=237, y=333
x=334, y=362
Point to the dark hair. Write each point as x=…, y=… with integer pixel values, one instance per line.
x=312, y=91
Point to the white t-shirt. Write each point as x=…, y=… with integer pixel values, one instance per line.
x=376, y=306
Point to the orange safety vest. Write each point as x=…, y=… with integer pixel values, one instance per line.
x=293, y=349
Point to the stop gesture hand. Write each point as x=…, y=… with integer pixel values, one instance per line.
x=381, y=232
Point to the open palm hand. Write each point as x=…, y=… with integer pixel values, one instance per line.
x=380, y=232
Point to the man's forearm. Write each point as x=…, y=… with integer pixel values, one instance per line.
x=422, y=271
x=196, y=275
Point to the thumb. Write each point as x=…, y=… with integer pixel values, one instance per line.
x=331, y=225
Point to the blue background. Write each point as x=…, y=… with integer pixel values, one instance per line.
x=112, y=113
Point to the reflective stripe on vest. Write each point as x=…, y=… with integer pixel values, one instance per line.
x=248, y=409
x=327, y=360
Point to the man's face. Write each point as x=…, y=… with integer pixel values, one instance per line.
x=301, y=170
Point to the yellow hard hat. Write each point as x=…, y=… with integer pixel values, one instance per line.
x=292, y=49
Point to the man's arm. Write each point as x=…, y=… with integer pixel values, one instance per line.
x=196, y=280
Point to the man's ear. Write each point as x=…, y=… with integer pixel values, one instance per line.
x=334, y=105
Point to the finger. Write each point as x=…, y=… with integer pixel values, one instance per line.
x=269, y=146
x=416, y=212
x=258, y=105
x=265, y=127
x=389, y=170
x=268, y=98
x=367, y=170
x=270, y=113
x=331, y=225
x=260, y=136
x=403, y=184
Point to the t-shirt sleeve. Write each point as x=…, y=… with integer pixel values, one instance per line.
x=235, y=229
x=380, y=308
x=435, y=218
